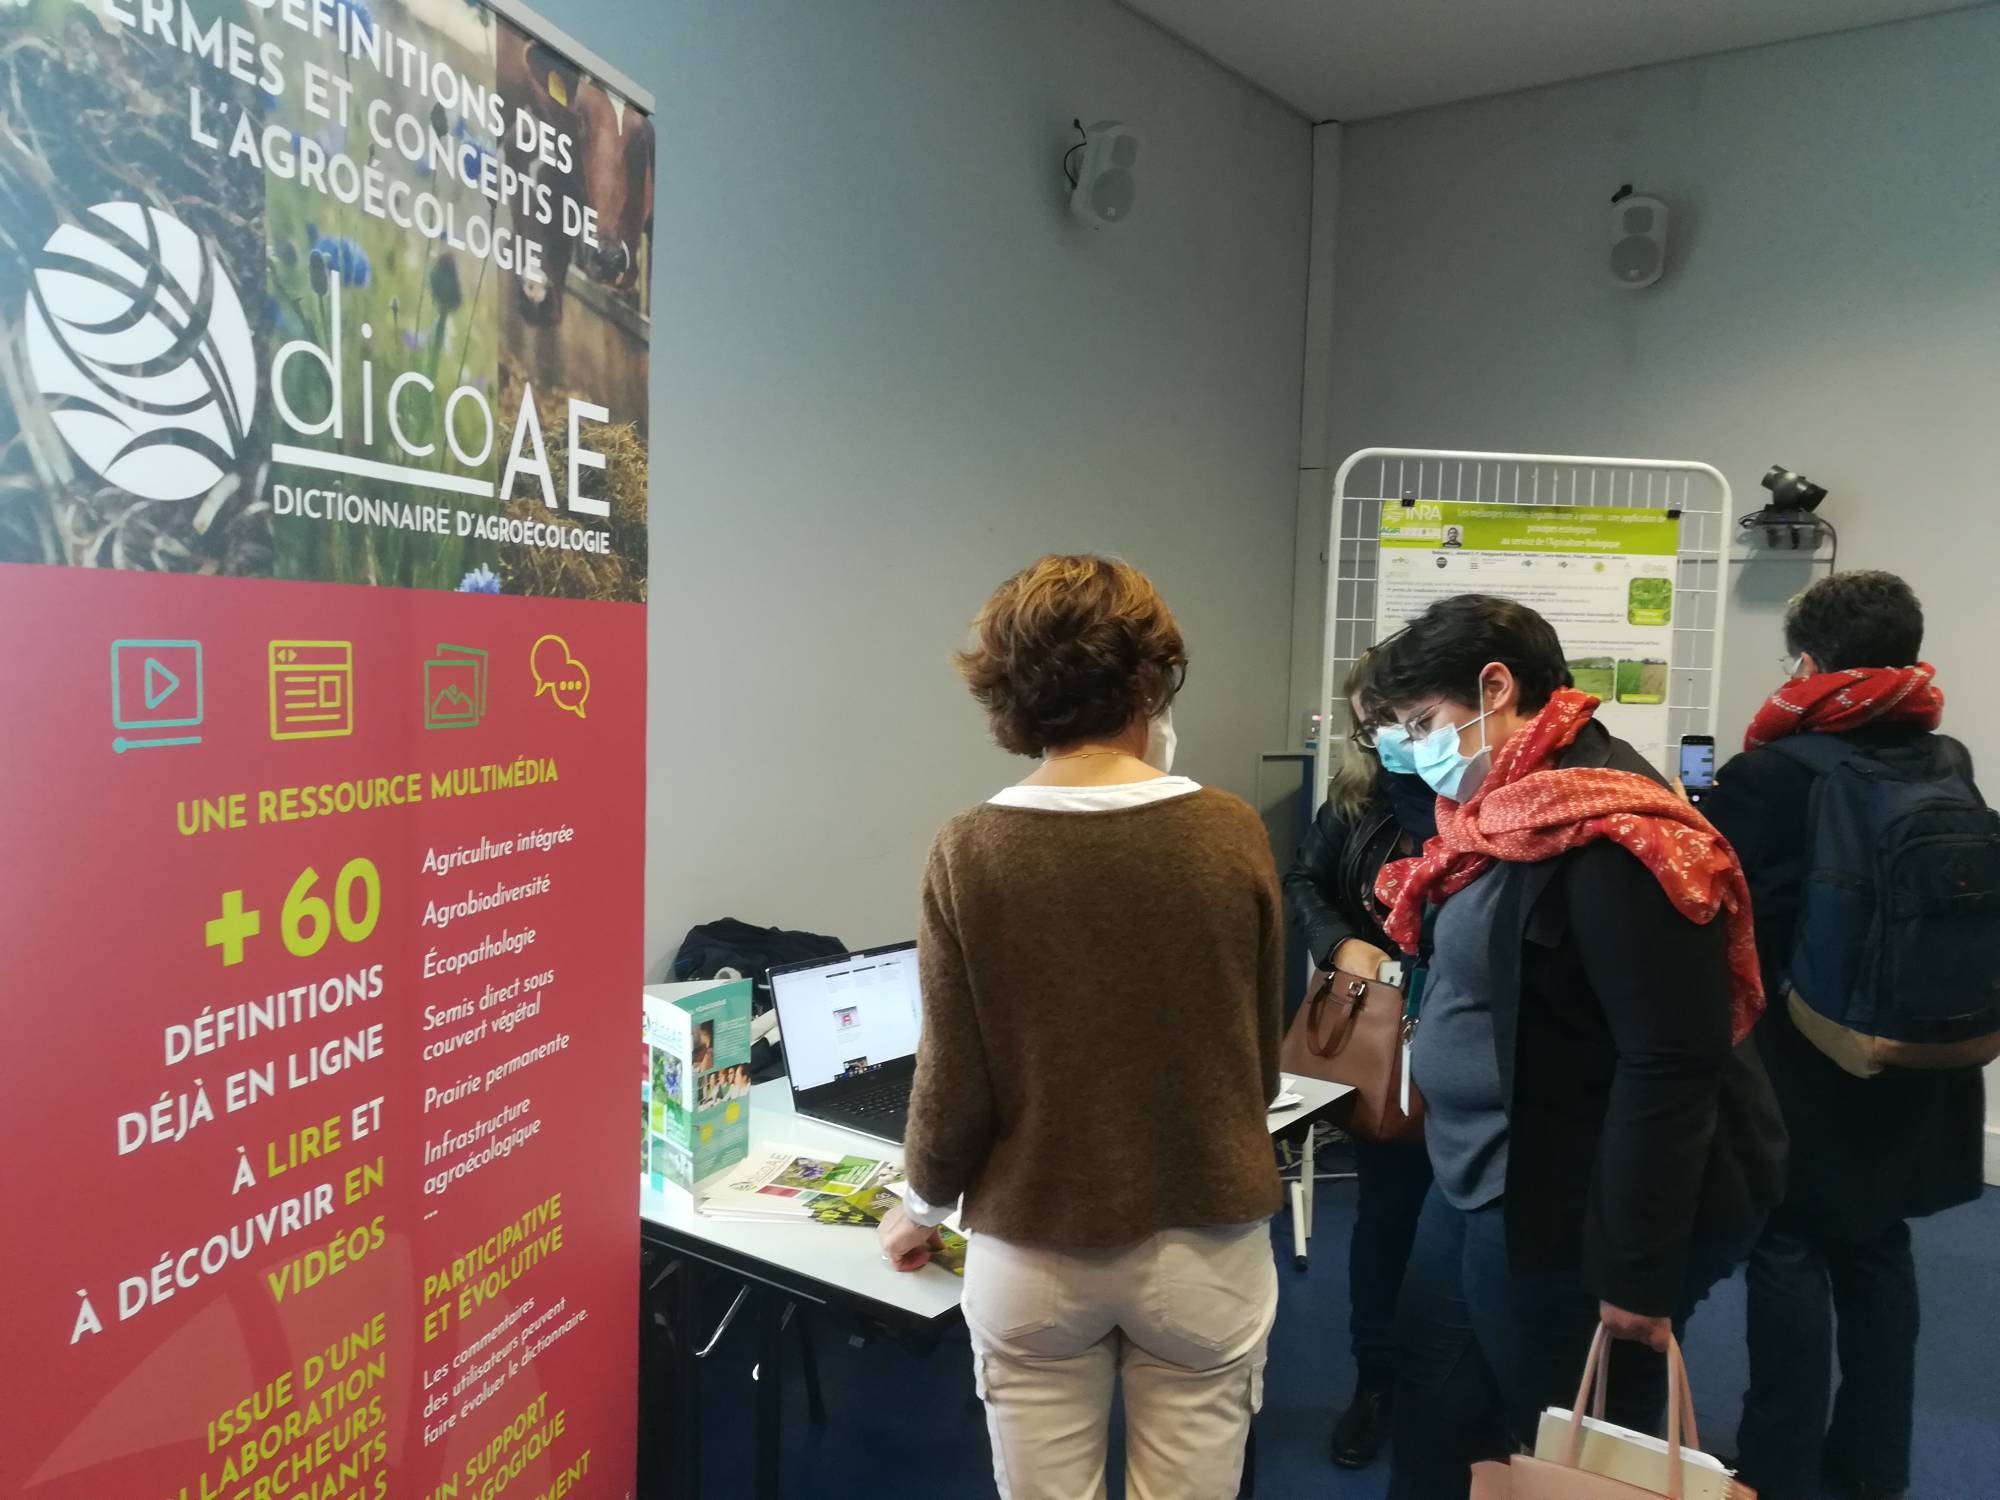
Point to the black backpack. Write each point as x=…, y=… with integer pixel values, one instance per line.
x=753, y=952
x=710, y=948
x=1895, y=961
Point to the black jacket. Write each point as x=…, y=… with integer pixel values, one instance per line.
x=1636, y=1132
x=1329, y=890
x=1865, y=1151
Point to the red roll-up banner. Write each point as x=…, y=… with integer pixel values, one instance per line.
x=323, y=501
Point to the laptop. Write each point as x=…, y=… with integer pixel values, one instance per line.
x=850, y=1027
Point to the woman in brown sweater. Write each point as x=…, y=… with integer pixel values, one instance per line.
x=1101, y=948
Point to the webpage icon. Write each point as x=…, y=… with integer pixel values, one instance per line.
x=312, y=689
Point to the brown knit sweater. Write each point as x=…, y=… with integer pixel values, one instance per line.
x=1101, y=1017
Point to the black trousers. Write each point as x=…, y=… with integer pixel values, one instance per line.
x=1809, y=1294
x=1391, y=1178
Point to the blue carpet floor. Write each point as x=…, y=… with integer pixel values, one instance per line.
x=902, y=1424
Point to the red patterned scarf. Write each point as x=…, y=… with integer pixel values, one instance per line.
x=1529, y=810
x=1829, y=702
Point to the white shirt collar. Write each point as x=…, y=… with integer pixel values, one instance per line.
x=1096, y=798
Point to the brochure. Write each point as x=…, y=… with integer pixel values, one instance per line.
x=869, y=1210
x=735, y=1198
x=784, y=1182
x=842, y=1178
x=697, y=1080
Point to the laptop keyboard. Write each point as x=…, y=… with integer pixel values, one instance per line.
x=883, y=1101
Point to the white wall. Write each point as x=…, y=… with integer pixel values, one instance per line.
x=1832, y=303
x=888, y=371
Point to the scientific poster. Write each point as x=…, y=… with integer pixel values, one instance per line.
x=1604, y=578
x=323, y=478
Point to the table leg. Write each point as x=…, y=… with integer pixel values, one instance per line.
x=770, y=1391
x=684, y=1421
x=1308, y=1174
x=657, y=1403
x=809, y=1367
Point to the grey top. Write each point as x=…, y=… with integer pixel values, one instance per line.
x=1453, y=1058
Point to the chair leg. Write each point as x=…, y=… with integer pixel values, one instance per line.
x=809, y=1364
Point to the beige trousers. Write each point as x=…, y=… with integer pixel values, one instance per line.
x=1183, y=1318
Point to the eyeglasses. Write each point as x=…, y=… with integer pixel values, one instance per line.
x=1421, y=725
x=1178, y=669
x=1364, y=736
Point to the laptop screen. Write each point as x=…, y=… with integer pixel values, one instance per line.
x=845, y=1017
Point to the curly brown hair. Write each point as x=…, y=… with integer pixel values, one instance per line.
x=1867, y=619
x=1071, y=648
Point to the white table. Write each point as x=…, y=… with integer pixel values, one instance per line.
x=845, y=1259
x=842, y=1259
x=782, y=1265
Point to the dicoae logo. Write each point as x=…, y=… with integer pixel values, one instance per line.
x=138, y=341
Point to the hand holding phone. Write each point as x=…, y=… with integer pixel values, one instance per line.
x=1697, y=765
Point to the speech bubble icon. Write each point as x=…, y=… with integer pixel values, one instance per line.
x=559, y=674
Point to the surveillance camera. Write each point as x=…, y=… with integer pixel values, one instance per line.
x=1792, y=491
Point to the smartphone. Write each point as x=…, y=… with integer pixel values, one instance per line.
x=1697, y=765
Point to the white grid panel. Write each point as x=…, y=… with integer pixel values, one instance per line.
x=1375, y=477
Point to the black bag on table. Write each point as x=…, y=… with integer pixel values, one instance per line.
x=710, y=948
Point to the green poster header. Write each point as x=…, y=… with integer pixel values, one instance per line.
x=1478, y=527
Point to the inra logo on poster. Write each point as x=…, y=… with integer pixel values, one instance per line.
x=137, y=338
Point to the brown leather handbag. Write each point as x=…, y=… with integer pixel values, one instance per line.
x=1350, y=1030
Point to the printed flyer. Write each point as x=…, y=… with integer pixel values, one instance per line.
x=1603, y=577
x=323, y=479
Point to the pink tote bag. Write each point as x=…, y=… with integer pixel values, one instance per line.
x=1527, y=1477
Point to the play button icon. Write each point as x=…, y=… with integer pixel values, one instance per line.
x=160, y=683
x=156, y=689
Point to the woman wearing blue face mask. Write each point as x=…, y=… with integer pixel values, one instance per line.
x=1604, y=1148
x=1379, y=811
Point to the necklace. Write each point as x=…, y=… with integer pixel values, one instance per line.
x=1084, y=755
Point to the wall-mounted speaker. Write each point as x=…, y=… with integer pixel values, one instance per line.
x=1106, y=184
x=1638, y=240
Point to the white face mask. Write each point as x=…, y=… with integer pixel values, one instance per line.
x=1160, y=741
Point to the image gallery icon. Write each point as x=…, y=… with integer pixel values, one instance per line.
x=312, y=689
x=156, y=692
x=455, y=687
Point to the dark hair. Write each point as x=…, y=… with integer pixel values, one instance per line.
x=1071, y=648
x=1444, y=649
x=1857, y=620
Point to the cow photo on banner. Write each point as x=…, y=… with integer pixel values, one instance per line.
x=323, y=505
